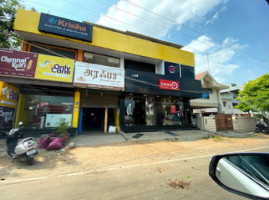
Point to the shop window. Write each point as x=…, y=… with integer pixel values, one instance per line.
x=101, y=60
x=173, y=112
x=206, y=92
x=53, y=51
x=139, y=66
x=135, y=111
x=153, y=111
x=45, y=111
x=187, y=72
x=205, y=96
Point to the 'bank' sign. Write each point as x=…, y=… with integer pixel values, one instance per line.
x=61, y=26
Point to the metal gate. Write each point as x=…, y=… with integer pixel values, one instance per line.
x=224, y=122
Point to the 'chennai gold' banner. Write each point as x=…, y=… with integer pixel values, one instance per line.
x=54, y=68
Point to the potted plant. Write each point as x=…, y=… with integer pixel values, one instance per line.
x=62, y=128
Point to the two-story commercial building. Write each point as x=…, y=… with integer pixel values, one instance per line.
x=96, y=77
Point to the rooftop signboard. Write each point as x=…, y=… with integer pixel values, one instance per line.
x=65, y=27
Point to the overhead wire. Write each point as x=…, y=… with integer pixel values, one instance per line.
x=129, y=13
x=170, y=20
x=121, y=21
x=105, y=16
x=141, y=81
x=80, y=17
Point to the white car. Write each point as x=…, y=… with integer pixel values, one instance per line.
x=245, y=174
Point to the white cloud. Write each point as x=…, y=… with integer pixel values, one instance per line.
x=215, y=16
x=179, y=11
x=220, y=56
x=202, y=43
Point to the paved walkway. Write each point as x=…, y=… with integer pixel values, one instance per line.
x=190, y=135
x=235, y=134
x=100, y=138
x=96, y=139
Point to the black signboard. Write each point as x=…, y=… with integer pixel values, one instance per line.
x=66, y=27
x=149, y=83
x=171, y=70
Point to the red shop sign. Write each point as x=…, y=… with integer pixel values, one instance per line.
x=168, y=85
x=173, y=109
x=17, y=63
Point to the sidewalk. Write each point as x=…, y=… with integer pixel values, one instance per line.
x=98, y=139
x=185, y=135
x=235, y=134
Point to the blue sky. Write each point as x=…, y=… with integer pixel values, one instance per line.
x=233, y=33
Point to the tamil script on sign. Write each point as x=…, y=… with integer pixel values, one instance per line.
x=99, y=76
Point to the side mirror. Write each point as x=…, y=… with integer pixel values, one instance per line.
x=245, y=174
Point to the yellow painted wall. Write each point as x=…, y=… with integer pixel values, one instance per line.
x=27, y=21
x=76, y=109
x=5, y=91
x=22, y=114
x=117, y=119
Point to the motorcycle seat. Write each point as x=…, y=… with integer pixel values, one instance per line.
x=26, y=139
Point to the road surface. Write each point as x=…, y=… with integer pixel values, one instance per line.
x=139, y=181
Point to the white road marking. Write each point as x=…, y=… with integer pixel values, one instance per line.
x=122, y=167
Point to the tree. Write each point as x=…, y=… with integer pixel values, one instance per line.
x=255, y=95
x=244, y=107
x=8, y=38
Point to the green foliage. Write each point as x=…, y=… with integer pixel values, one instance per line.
x=243, y=107
x=258, y=116
x=8, y=38
x=255, y=95
x=62, y=127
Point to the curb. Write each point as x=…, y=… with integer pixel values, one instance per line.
x=124, y=135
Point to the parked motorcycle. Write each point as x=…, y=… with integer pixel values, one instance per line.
x=19, y=148
x=262, y=128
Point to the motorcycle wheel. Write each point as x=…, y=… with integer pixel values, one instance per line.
x=30, y=160
x=257, y=130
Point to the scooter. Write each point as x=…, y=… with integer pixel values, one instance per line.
x=20, y=149
x=262, y=128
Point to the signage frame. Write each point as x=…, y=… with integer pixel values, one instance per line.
x=99, y=76
x=65, y=27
